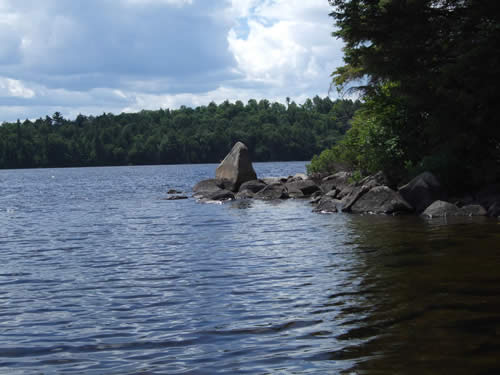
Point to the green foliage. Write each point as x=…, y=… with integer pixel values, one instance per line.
x=373, y=142
x=427, y=70
x=272, y=131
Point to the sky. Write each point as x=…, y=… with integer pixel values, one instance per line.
x=95, y=56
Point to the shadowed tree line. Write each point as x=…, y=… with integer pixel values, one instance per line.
x=272, y=132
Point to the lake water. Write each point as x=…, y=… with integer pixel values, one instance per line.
x=99, y=275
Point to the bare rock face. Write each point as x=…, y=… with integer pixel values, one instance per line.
x=236, y=168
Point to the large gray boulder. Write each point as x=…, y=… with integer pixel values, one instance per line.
x=328, y=205
x=272, y=192
x=236, y=168
x=350, y=194
x=422, y=191
x=274, y=180
x=474, y=210
x=301, y=188
x=250, y=188
x=443, y=209
x=213, y=190
x=254, y=186
x=381, y=200
x=207, y=187
x=339, y=181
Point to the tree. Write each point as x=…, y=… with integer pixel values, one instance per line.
x=440, y=59
x=203, y=134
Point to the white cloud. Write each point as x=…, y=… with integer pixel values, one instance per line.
x=125, y=55
x=285, y=42
x=14, y=88
x=178, y=3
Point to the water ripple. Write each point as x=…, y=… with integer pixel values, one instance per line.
x=99, y=276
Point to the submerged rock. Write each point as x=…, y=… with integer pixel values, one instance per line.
x=236, y=168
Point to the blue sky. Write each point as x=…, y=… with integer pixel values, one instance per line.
x=95, y=56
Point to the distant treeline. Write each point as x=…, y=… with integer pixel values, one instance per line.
x=272, y=131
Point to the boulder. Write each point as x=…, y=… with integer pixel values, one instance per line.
x=381, y=200
x=244, y=194
x=273, y=191
x=443, y=209
x=301, y=188
x=328, y=205
x=494, y=210
x=377, y=179
x=315, y=199
x=207, y=187
x=422, y=191
x=222, y=195
x=213, y=190
x=350, y=196
x=236, y=167
x=274, y=180
x=489, y=197
x=462, y=200
x=300, y=176
x=254, y=186
x=339, y=181
x=352, y=192
x=474, y=210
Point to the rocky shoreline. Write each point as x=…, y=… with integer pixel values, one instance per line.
x=235, y=179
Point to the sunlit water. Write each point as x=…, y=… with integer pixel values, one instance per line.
x=99, y=275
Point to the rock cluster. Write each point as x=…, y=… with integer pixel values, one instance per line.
x=424, y=195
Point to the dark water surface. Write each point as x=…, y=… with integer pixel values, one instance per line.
x=98, y=275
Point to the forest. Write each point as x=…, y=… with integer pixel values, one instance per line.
x=426, y=72
x=272, y=132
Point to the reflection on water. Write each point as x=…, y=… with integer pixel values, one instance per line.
x=100, y=275
x=434, y=305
